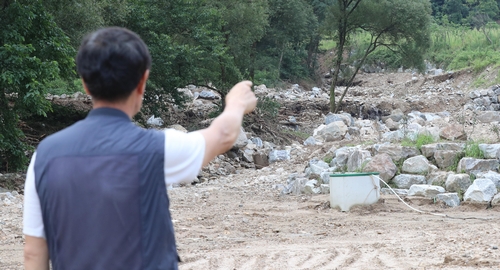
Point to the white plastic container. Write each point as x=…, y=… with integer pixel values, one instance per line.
x=347, y=190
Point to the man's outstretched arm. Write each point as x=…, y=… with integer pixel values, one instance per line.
x=224, y=130
x=36, y=254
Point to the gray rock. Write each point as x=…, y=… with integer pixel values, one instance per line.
x=416, y=165
x=469, y=165
x=438, y=178
x=396, y=115
x=488, y=117
x=428, y=191
x=206, y=94
x=493, y=176
x=311, y=187
x=341, y=156
x=445, y=158
x=458, y=147
x=333, y=132
x=496, y=200
x=318, y=166
x=382, y=163
x=490, y=150
x=481, y=191
x=396, y=152
x=457, y=182
x=399, y=191
x=353, y=131
x=450, y=199
x=474, y=94
x=325, y=177
x=310, y=141
x=393, y=136
x=324, y=188
x=391, y=125
x=407, y=180
x=428, y=150
x=346, y=118
x=248, y=155
x=257, y=141
x=357, y=159
x=295, y=186
x=279, y=155
x=242, y=139
x=453, y=132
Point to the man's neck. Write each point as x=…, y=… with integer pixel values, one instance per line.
x=122, y=106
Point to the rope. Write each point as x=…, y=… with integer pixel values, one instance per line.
x=426, y=212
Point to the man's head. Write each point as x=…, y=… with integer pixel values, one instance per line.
x=112, y=62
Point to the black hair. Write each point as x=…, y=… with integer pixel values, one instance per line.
x=111, y=62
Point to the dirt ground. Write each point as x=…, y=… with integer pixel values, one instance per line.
x=242, y=222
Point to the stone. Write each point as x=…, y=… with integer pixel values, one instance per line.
x=450, y=199
x=341, y=156
x=453, y=132
x=493, y=176
x=488, y=117
x=474, y=94
x=396, y=152
x=496, y=200
x=325, y=177
x=457, y=182
x=383, y=164
x=399, y=191
x=257, y=141
x=295, y=186
x=357, y=159
x=437, y=178
x=242, y=139
x=318, y=166
x=445, y=158
x=311, y=187
x=428, y=150
x=428, y=191
x=458, y=147
x=324, y=188
x=391, y=125
x=346, y=118
x=279, y=155
x=260, y=160
x=155, y=121
x=490, y=150
x=206, y=94
x=333, y=132
x=393, y=136
x=469, y=165
x=248, y=155
x=481, y=191
x=353, y=131
x=310, y=141
x=407, y=180
x=416, y=165
x=396, y=115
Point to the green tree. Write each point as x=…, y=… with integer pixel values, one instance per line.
x=398, y=25
x=33, y=52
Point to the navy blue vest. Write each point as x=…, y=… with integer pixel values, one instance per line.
x=103, y=195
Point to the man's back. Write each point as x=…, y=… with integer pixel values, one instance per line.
x=103, y=197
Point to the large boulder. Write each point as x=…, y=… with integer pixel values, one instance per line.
x=333, y=132
x=311, y=187
x=488, y=117
x=493, y=176
x=318, y=166
x=496, y=200
x=279, y=155
x=490, y=150
x=428, y=191
x=428, y=150
x=242, y=139
x=450, y=199
x=407, y=180
x=481, y=191
x=445, y=158
x=453, y=132
x=396, y=152
x=416, y=165
x=457, y=182
x=437, y=178
x=382, y=163
x=469, y=165
x=341, y=156
x=458, y=147
x=345, y=117
x=357, y=159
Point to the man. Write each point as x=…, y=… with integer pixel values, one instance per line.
x=95, y=193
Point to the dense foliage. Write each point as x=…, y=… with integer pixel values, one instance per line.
x=213, y=43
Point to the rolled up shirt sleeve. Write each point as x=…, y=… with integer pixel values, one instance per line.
x=32, y=214
x=184, y=153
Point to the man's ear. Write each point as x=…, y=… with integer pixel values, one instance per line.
x=141, y=87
